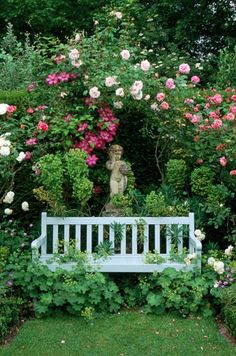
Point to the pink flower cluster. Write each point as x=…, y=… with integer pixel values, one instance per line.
x=105, y=132
x=56, y=78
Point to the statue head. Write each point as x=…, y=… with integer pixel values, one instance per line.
x=115, y=152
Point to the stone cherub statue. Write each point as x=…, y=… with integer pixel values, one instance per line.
x=119, y=170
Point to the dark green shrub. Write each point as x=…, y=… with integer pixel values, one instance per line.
x=229, y=308
x=201, y=180
x=176, y=174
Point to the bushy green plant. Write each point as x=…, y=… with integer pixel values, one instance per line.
x=202, y=180
x=176, y=174
x=229, y=308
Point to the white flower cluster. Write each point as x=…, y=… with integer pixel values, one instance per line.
x=25, y=206
x=9, y=197
x=218, y=266
x=20, y=157
x=3, y=108
x=229, y=250
x=190, y=257
x=74, y=57
x=199, y=235
x=5, y=145
x=136, y=90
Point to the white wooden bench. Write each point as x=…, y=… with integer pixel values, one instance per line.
x=139, y=237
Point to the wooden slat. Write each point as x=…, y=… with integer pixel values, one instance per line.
x=180, y=238
x=112, y=236
x=123, y=242
x=100, y=233
x=44, y=223
x=134, y=239
x=55, y=239
x=78, y=237
x=89, y=238
x=157, y=238
x=168, y=239
x=66, y=237
x=146, y=239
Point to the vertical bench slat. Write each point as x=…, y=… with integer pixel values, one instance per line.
x=180, y=238
x=112, y=236
x=123, y=242
x=168, y=239
x=146, y=239
x=157, y=238
x=134, y=239
x=55, y=239
x=78, y=237
x=44, y=233
x=66, y=237
x=100, y=233
x=191, y=232
x=89, y=238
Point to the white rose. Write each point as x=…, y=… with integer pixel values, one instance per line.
x=229, y=250
x=120, y=92
x=8, y=211
x=219, y=267
x=25, y=206
x=211, y=261
x=110, y=81
x=94, y=93
x=187, y=261
x=4, y=151
x=125, y=54
x=74, y=54
x=118, y=104
x=3, y=108
x=145, y=65
x=77, y=37
x=9, y=197
x=154, y=106
x=197, y=232
x=20, y=157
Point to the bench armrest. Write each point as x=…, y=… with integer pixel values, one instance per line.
x=196, y=243
x=36, y=244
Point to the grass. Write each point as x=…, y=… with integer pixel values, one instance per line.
x=129, y=333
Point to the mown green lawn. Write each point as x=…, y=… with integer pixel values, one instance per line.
x=124, y=334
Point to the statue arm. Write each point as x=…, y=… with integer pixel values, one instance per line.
x=110, y=165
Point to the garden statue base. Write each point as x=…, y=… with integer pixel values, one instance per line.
x=111, y=210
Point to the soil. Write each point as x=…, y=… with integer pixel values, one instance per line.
x=224, y=331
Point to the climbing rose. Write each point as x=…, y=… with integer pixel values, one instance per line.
x=164, y=105
x=160, y=96
x=223, y=161
x=25, y=206
x=20, y=157
x=170, y=84
x=8, y=211
x=42, y=126
x=120, y=92
x=233, y=173
x=195, y=79
x=184, y=68
x=94, y=92
x=91, y=160
x=125, y=54
x=145, y=65
x=110, y=81
x=229, y=250
x=74, y=54
x=3, y=108
x=9, y=197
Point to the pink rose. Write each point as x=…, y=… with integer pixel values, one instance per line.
x=184, y=68
x=223, y=161
x=233, y=97
x=229, y=116
x=233, y=109
x=28, y=155
x=170, y=83
x=164, y=105
x=82, y=127
x=91, y=160
x=160, y=96
x=195, y=79
x=233, y=173
x=42, y=125
x=30, y=110
x=145, y=65
x=217, y=124
x=125, y=54
x=110, y=81
x=74, y=54
x=31, y=141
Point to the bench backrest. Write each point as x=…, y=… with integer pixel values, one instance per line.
x=128, y=235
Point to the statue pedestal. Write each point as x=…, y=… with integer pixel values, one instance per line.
x=111, y=210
